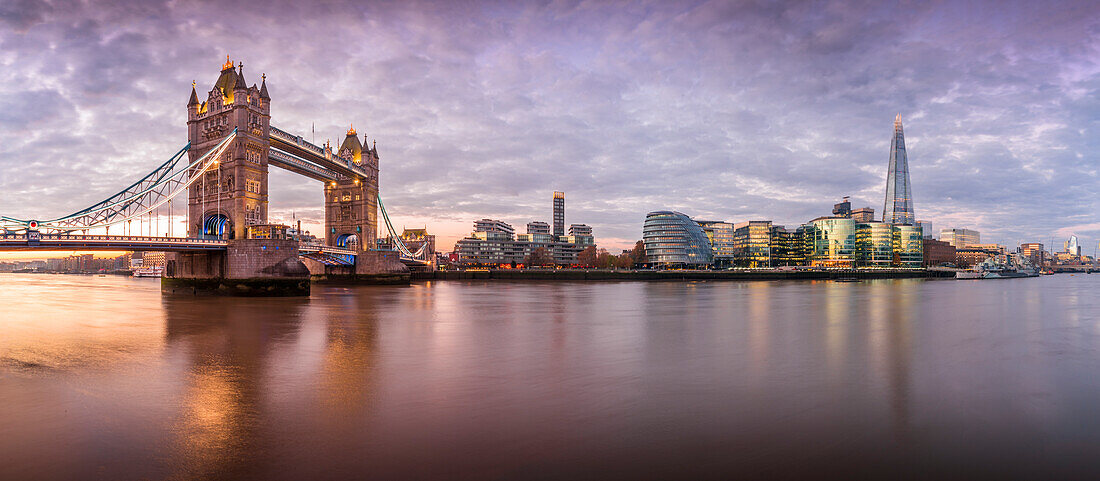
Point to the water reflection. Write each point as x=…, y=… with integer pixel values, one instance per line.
x=222, y=349
x=554, y=380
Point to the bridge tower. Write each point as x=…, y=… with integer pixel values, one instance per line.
x=233, y=196
x=351, y=205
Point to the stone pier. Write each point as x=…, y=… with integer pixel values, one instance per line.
x=371, y=267
x=248, y=267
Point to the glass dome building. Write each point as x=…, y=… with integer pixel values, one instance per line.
x=672, y=239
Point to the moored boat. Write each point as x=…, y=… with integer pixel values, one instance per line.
x=155, y=271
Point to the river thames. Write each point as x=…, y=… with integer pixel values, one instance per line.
x=105, y=378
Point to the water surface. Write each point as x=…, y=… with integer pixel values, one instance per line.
x=104, y=378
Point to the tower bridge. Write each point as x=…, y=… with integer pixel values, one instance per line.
x=224, y=184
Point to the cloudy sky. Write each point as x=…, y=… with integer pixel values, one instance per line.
x=721, y=110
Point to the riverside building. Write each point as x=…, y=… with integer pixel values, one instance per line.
x=673, y=240
x=938, y=252
x=833, y=241
x=961, y=238
x=494, y=242
x=874, y=244
x=721, y=237
x=752, y=241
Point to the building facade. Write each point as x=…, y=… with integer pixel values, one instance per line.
x=908, y=246
x=721, y=239
x=493, y=243
x=790, y=247
x=961, y=238
x=1035, y=253
x=874, y=244
x=938, y=252
x=863, y=214
x=834, y=242
x=559, y=213
x=672, y=239
x=926, y=228
x=752, y=243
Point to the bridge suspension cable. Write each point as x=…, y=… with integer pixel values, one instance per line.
x=401, y=247
x=142, y=197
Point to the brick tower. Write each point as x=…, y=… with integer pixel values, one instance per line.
x=234, y=195
x=351, y=205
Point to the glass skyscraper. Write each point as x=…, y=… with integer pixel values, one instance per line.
x=899, y=197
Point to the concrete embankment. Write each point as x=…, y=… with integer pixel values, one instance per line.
x=684, y=275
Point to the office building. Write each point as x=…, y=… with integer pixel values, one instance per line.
x=938, y=253
x=926, y=228
x=972, y=255
x=960, y=238
x=752, y=241
x=843, y=208
x=559, y=214
x=863, y=214
x=672, y=239
x=899, y=196
x=720, y=235
x=874, y=244
x=1034, y=252
x=834, y=242
x=788, y=247
x=908, y=246
x=1072, y=246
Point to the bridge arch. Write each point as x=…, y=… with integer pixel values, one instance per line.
x=217, y=224
x=347, y=241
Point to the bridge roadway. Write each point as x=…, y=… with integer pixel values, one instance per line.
x=295, y=154
x=68, y=242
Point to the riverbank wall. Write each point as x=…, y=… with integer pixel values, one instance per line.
x=677, y=275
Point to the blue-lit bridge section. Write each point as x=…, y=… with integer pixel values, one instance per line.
x=328, y=255
x=27, y=241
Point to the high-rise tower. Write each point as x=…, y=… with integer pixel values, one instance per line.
x=899, y=196
x=559, y=214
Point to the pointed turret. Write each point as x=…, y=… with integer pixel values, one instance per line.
x=240, y=85
x=194, y=96
x=263, y=88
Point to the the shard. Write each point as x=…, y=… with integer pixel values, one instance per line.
x=899, y=196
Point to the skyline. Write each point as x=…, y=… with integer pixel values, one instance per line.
x=484, y=112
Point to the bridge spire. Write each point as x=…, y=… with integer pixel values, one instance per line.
x=194, y=96
x=263, y=88
x=241, y=85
